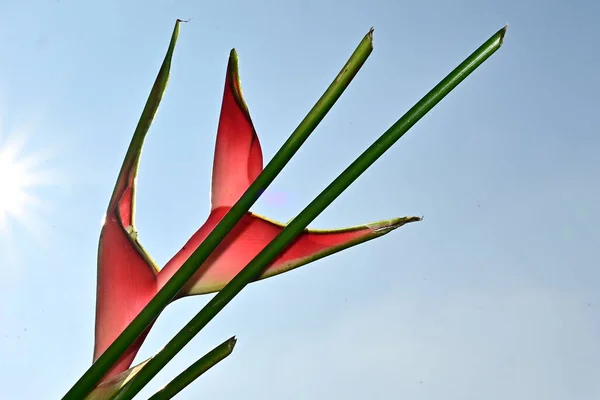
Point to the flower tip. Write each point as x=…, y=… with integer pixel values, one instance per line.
x=233, y=55
x=384, y=227
x=233, y=66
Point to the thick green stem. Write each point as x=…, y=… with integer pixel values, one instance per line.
x=253, y=270
x=103, y=364
x=188, y=376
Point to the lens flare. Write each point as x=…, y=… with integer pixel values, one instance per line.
x=20, y=174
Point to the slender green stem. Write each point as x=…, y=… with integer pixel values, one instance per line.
x=253, y=270
x=182, y=380
x=103, y=364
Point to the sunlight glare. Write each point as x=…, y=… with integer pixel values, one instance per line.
x=19, y=175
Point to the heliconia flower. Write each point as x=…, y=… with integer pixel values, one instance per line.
x=127, y=276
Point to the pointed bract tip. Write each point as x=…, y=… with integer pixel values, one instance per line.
x=405, y=220
x=233, y=72
x=185, y=21
x=384, y=227
x=233, y=63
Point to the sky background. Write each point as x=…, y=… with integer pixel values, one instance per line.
x=494, y=295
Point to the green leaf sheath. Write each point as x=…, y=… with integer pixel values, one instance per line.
x=190, y=374
x=295, y=227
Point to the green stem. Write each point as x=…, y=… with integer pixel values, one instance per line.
x=103, y=364
x=254, y=269
x=182, y=380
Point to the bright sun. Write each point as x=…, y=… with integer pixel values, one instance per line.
x=17, y=179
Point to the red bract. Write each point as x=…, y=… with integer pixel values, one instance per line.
x=128, y=278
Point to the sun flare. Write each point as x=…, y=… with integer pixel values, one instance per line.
x=19, y=175
x=12, y=188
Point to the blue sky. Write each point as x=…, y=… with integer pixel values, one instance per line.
x=494, y=295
